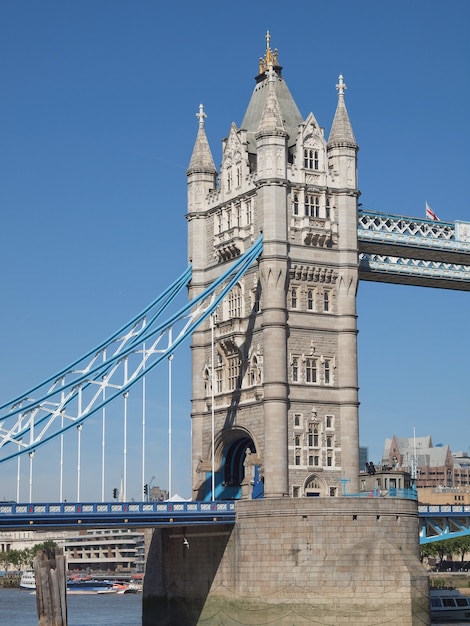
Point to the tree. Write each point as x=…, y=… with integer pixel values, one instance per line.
x=460, y=546
x=442, y=548
x=48, y=547
x=14, y=558
x=427, y=550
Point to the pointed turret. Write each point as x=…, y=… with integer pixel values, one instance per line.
x=271, y=118
x=341, y=130
x=202, y=177
x=201, y=158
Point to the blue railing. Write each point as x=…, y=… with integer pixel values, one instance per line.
x=392, y=492
x=93, y=514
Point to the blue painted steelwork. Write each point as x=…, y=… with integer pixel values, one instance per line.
x=114, y=514
x=78, y=392
x=393, y=492
x=438, y=522
x=435, y=522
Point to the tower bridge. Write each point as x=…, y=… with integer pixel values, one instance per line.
x=277, y=245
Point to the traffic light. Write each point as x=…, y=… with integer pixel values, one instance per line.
x=115, y=493
x=146, y=490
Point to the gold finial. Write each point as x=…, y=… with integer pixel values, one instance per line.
x=270, y=57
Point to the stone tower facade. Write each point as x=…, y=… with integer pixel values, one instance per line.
x=275, y=392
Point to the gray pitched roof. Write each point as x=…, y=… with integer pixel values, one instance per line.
x=289, y=111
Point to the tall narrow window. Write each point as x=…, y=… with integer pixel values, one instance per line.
x=327, y=371
x=229, y=219
x=219, y=373
x=310, y=370
x=248, y=211
x=327, y=209
x=295, y=370
x=294, y=297
x=254, y=372
x=295, y=204
x=207, y=381
x=310, y=299
x=315, y=160
x=218, y=380
x=326, y=300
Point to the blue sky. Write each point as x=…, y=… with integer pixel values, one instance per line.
x=97, y=125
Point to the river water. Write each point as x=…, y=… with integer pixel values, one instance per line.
x=18, y=608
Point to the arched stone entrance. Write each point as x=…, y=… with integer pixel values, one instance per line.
x=237, y=467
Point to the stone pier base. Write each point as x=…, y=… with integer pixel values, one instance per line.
x=291, y=562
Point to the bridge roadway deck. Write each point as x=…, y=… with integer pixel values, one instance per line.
x=436, y=521
x=48, y=516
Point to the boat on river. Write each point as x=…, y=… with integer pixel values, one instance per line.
x=449, y=605
x=27, y=580
x=85, y=585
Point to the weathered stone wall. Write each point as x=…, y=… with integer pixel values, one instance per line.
x=292, y=562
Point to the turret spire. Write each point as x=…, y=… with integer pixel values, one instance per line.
x=341, y=129
x=271, y=117
x=201, y=159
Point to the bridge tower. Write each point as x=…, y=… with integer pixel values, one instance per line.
x=275, y=392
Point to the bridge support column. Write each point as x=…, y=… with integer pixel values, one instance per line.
x=286, y=561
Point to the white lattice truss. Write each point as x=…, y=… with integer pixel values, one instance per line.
x=419, y=248
x=398, y=229
x=70, y=397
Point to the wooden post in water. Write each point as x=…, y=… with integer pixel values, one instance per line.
x=50, y=573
